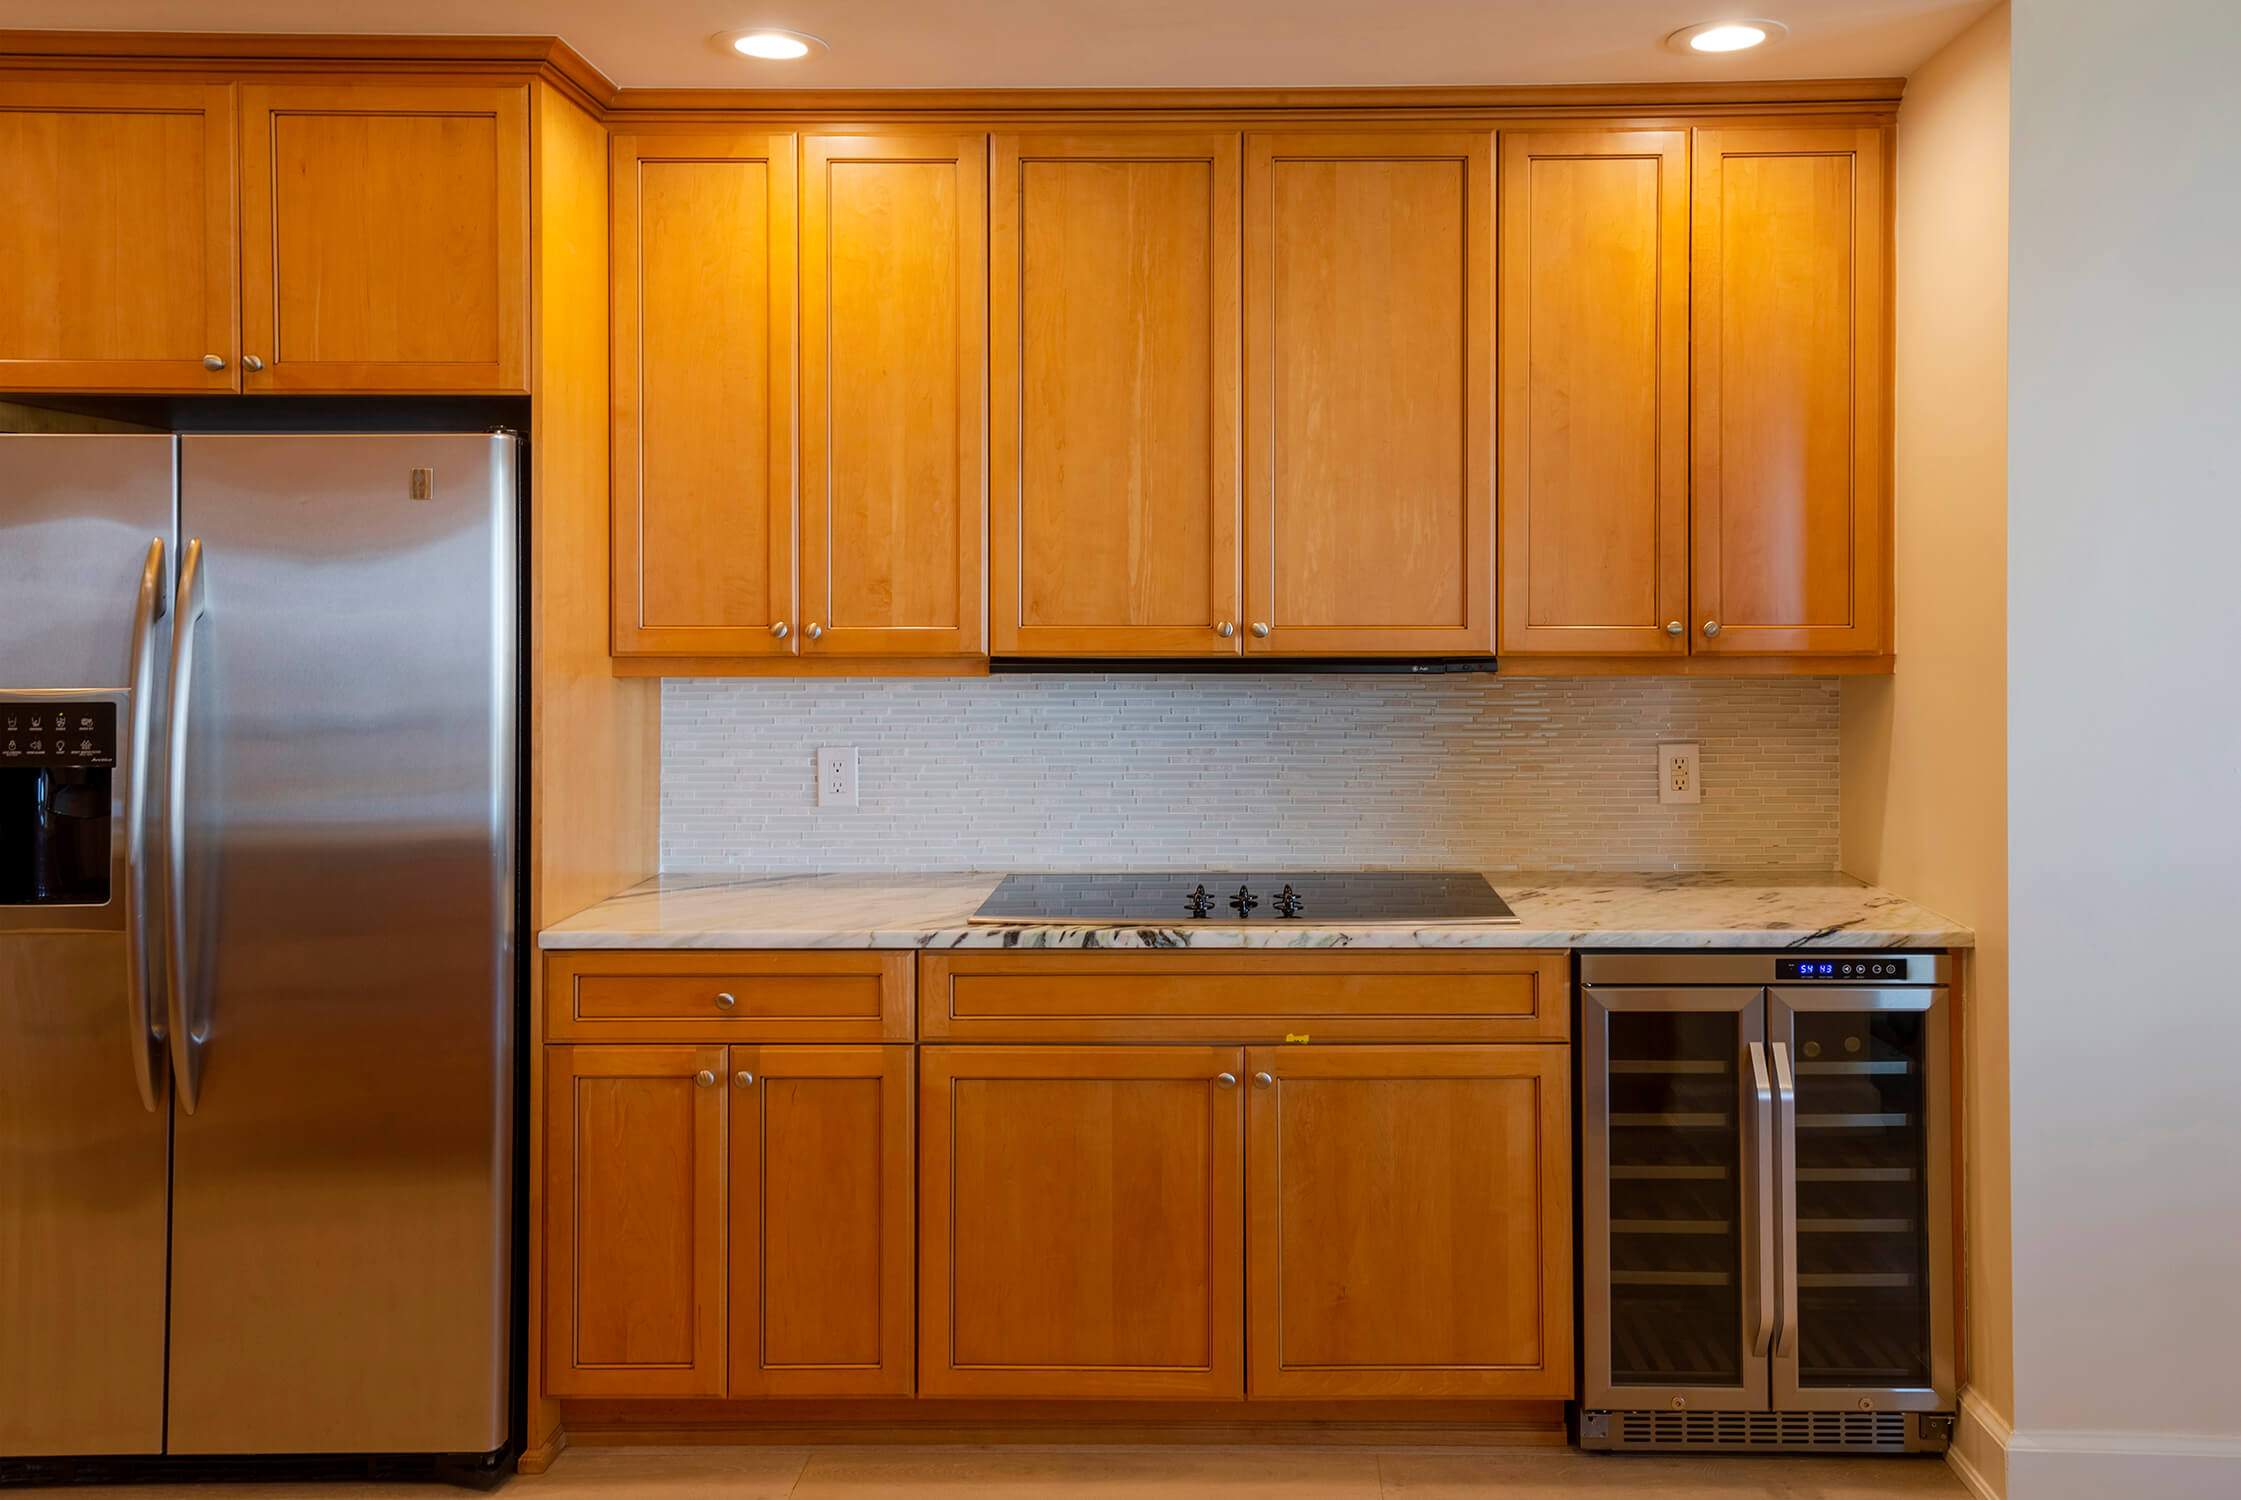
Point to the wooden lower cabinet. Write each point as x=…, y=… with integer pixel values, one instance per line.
x=820, y=1180
x=1410, y=1221
x=728, y=1221
x=1081, y=1222
x=634, y=1221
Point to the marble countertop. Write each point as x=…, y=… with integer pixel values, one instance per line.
x=1783, y=909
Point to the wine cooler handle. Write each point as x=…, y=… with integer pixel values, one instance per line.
x=1759, y=1143
x=1785, y=1108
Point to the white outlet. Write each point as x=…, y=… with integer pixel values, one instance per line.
x=836, y=777
x=1679, y=778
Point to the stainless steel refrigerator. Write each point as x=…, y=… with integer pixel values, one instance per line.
x=1766, y=1208
x=258, y=812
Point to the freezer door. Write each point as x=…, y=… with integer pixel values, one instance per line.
x=82, y=1171
x=77, y=512
x=1676, y=1198
x=342, y=1173
x=1866, y=1238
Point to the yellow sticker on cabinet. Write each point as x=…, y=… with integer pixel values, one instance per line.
x=1291, y=1036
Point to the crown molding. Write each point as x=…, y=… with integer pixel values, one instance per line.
x=552, y=58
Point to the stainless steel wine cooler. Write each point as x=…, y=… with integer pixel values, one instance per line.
x=1766, y=1201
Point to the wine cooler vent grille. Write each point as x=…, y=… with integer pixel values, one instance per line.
x=1733, y=1431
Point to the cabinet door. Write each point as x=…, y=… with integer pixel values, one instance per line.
x=1081, y=1216
x=634, y=1228
x=703, y=270
x=384, y=238
x=1792, y=497
x=1411, y=1221
x=1594, y=373
x=1369, y=359
x=894, y=230
x=820, y=1221
x=116, y=236
x=1113, y=385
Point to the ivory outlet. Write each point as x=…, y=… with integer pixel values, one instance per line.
x=1678, y=777
x=836, y=777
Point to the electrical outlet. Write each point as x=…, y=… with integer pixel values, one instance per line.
x=1679, y=779
x=836, y=777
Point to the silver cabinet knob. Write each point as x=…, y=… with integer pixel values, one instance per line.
x=213, y=361
x=1674, y=627
x=779, y=630
x=726, y=1002
x=251, y=363
x=1711, y=628
x=705, y=1079
x=743, y=1079
x=1225, y=630
x=1262, y=1080
x=813, y=630
x=1225, y=1080
x=1259, y=628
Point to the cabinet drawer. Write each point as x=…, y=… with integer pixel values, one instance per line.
x=813, y=997
x=1249, y=995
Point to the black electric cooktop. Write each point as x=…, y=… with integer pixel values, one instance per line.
x=1401, y=898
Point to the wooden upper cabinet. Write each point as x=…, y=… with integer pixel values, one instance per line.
x=703, y=335
x=894, y=279
x=1113, y=269
x=1792, y=498
x=634, y=1221
x=1411, y=1214
x=821, y=1254
x=1594, y=398
x=1081, y=1222
x=1369, y=362
x=116, y=235
x=384, y=237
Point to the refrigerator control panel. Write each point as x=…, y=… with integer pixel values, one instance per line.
x=52, y=733
x=1897, y=970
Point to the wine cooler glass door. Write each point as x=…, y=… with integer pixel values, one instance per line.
x=1866, y=1255
x=1677, y=1197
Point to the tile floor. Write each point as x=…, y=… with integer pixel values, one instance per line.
x=1132, y=1473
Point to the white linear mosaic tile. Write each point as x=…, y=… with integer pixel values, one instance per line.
x=1168, y=771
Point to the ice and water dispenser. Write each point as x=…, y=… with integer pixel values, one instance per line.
x=58, y=761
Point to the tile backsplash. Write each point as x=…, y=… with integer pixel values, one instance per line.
x=1164, y=771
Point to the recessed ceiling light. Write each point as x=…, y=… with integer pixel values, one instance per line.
x=769, y=43
x=1726, y=36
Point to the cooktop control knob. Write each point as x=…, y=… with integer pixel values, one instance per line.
x=1288, y=902
x=1198, y=901
x=1243, y=902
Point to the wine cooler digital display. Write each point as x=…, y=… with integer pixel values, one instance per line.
x=1842, y=970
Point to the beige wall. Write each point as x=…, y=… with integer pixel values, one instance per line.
x=1924, y=753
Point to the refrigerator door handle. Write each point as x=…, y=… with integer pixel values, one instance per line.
x=147, y=1026
x=1759, y=1142
x=1785, y=1099
x=187, y=1037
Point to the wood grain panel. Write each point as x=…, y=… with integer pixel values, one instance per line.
x=774, y=996
x=1410, y=1221
x=1256, y=996
x=1113, y=378
x=704, y=383
x=116, y=235
x=1368, y=387
x=634, y=1231
x=384, y=237
x=1081, y=1222
x=894, y=306
x=1594, y=376
x=821, y=1193
x=1792, y=502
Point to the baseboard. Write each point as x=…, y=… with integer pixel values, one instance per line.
x=2096, y=1465
x=1979, y=1454
x=540, y=1458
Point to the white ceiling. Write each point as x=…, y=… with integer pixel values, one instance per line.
x=1114, y=43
